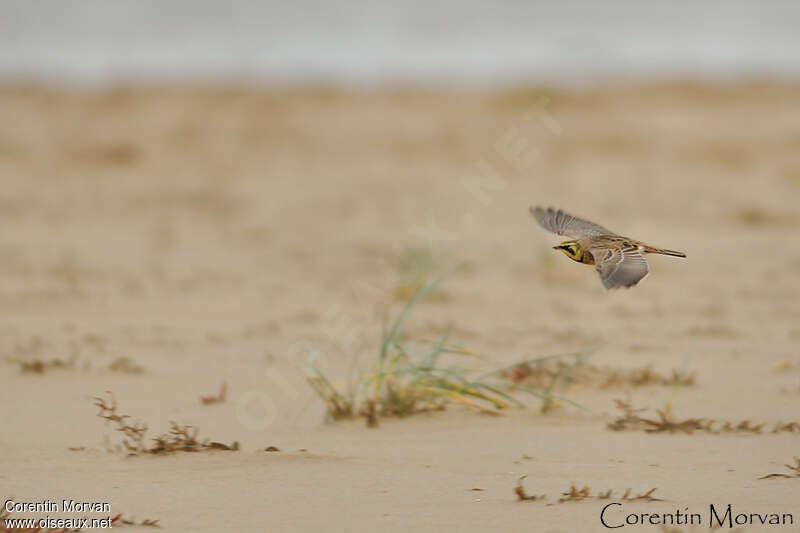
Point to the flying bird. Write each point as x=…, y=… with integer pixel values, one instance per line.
x=619, y=260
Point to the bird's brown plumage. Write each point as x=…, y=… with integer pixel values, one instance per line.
x=619, y=260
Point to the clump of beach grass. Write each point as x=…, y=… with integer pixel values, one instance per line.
x=410, y=377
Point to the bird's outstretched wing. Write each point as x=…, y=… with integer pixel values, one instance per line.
x=562, y=223
x=620, y=266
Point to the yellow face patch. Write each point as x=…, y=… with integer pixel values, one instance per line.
x=572, y=250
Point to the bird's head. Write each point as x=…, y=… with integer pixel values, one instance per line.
x=572, y=249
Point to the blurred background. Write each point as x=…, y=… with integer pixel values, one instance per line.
x=242, y=152
x=445, y=42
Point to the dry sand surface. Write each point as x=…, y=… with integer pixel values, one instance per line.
x=160, y=242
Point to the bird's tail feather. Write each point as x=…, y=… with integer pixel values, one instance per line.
x=663, y=251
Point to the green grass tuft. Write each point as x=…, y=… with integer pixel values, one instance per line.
x=411, y=377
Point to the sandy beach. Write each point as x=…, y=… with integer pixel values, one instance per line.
x=161, y=242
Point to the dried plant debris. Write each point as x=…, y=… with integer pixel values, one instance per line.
x=639, y=377
x=793, y=469
x=184, y=439
x=124, y=365
x=575, y=494
x=133, y=431
x=632, y=420
x=120, y=520
x=757, y=217
x=179, y=438
x=546, y=377
x=791, y=390
x=539, y=373
x=40, y=366
x=219, y=398
x=523, y=496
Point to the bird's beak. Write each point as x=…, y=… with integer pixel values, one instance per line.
x=556, y=247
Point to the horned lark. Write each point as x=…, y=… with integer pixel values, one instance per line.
x=619, y=260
